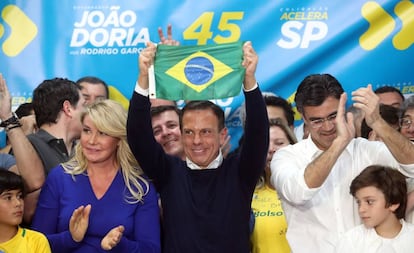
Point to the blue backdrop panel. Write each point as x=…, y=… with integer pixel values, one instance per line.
x=359, y=42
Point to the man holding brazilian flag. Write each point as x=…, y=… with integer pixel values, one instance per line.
x=206, y=198
x=197, y=72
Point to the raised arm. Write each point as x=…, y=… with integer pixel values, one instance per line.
x=400, y=147
x=140, y=135
x=146, y=57
x=29, y=165
x=145, y=60
x=254, y=151
x=250, y=61
x=318, y=170
x=28, y=162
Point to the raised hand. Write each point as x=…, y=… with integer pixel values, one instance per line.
x=79, y=222
x=145, y=60
x=169, y=40
x=365, y=99
x=112, y=238
x=250, y=60
x=29, y=125
x=5, y=100
x=344, y=122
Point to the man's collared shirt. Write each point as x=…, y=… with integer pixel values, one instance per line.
x=318, y=217
x=213, y=165
x=51, y=150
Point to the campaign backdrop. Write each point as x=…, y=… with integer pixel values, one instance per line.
x=359, y=42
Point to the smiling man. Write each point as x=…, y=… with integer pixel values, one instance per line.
x=166, y=128
x=205, y=197
x=313, y=176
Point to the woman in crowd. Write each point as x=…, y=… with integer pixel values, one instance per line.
x=100, y=200
x=269, y=233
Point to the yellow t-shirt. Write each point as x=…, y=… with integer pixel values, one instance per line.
x=26, y=241
x=269, y=233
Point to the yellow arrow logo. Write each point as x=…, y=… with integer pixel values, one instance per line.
x=382, y=24
x=23, y=30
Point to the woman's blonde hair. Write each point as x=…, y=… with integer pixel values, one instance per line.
x=110, y=118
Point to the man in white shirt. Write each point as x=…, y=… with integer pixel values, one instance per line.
x=313, y=176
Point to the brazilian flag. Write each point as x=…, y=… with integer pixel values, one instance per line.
x=198, y=72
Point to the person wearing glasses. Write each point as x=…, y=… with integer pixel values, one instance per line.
x=407, y=129
x=407, y=118
x=313, y=176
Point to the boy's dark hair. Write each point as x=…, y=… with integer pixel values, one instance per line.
x=315, y=89
x=10, y=181
x=49, y=96
x=389, y=181
x=157, y=110
x=204, y=105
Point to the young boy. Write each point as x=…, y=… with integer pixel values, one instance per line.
x=13, y=238
x=381, y=195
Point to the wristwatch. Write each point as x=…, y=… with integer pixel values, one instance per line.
x=13, y=120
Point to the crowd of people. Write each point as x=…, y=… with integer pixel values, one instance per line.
x=82, y=174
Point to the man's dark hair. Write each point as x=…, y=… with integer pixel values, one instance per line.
x=10, y=181
x=93, y=80
x=49, y=96
x=315, y=89
x=271, y=100
x=204, y=105
x=157, y=110
x=389, y=181
x=386, y=89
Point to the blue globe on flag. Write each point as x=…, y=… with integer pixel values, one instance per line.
x=199, y=70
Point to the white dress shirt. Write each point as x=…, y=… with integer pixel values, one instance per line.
x=366, y=240
x=213, y=165
x=318, y=217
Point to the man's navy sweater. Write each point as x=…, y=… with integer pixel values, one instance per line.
x=203, y=210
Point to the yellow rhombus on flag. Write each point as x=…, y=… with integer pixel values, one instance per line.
x=198, y=72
